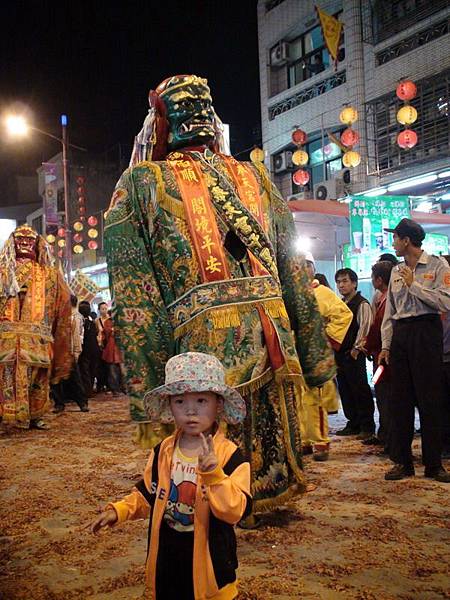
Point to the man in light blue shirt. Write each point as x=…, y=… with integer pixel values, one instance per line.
x=411, y=333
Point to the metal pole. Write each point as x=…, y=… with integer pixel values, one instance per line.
x=324, y=166
x=66, y=199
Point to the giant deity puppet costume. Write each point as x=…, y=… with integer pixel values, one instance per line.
x=200, y=252
x=34, y=328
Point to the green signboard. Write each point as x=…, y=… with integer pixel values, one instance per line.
x=369, y=216
x=435, y=243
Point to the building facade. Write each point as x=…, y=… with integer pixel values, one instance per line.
x=383, y=41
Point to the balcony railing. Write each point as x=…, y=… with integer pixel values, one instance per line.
x=413, y=42
x=307, y=94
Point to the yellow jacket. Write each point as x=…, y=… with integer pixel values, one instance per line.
x=336, y=314
x=226, y=490
x=337, y=318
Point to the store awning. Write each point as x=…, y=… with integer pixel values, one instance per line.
x=340, y=209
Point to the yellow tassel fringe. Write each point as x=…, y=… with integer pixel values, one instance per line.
x=223, y=317
x=173, y=206
x=269, y=504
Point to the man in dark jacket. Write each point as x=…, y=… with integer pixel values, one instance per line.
x=89, y=355
x=381, y=274
x=356, y=397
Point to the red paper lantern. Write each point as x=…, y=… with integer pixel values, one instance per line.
x=80, y=190
x=407, y=138
x=406, y=90
x=92, y=221
x=300, y=177
x=83, y=218
x=81, y=210
x=349, y=137
x=299, y=137
x=81, y=200
x=80, y=180
x=61, y=232
x=77, y=238
x=92, y=245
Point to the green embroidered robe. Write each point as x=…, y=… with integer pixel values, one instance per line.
x=162, y=307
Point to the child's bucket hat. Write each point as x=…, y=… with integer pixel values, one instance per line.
x=194, y=372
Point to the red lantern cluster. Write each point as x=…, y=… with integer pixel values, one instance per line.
x=78, y=237
x=300, y=157
x=349, y=137
x=92, y=232
x=406, y=91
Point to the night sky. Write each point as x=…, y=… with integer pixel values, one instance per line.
x=96, y=62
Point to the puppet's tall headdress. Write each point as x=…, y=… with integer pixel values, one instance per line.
x=8, y=264
x=151, y=141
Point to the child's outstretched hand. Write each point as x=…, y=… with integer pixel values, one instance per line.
x=108, y=517
x=207, y=459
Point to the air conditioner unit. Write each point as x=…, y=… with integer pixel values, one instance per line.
x=279, y=54
x=282, y=161
x=306, y=195
x=330, y=190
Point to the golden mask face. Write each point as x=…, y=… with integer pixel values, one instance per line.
x=25, y=241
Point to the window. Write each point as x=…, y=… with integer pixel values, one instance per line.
x=36, y=224
x=394, y=16
x=308, y=56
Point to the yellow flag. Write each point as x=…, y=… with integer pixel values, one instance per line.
x=331, y=30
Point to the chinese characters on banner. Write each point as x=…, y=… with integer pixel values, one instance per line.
x=369, y=216
x=200, y=214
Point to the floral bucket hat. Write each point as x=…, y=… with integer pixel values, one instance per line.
x=194, y=372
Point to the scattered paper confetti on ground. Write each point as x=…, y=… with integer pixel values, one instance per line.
x=352, y=537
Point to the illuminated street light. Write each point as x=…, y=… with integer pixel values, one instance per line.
x=16, y=125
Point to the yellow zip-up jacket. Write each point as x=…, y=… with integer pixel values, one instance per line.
x=336, y=314
x=227, y=491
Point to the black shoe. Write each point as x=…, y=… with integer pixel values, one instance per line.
x=307, y=450
x=438, y=475
x=371, y=441
x=399, y=472
x=365, y=435
x=84, y=409
x=58, y=409
x=347, y=431
x=321, y=456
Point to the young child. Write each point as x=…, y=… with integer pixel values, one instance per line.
x=196, y=485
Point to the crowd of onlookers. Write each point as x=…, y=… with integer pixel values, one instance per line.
x=96, y=358
x=405, y=332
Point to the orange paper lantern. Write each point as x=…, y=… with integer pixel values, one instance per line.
x=407, y=139
x=349, y=137
x=406, y=90
x=78, y=226
x=300, y=177
x=299, y=137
